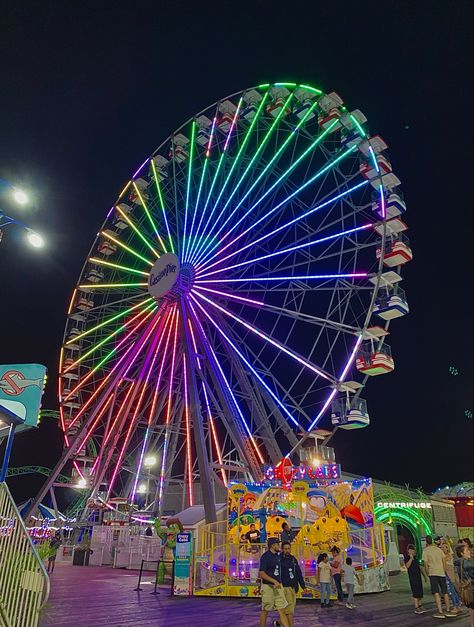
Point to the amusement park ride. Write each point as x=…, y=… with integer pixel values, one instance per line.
x=237, y=296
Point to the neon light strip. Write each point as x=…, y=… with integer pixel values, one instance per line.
x=264, y=336
x=129, y=349
x=189, y=461
x=249, y=365
x=94, y=424
x=261, y=146
x=229, y=389
x=188, y=186
x=99, y=286
x=208, y=151
x=316, y=91
x=109, y=320
x=102, y=262
x=125, y=189
x=352, y=275
x=356, y=123
x=109, y=337
x=167, y=332
x=341, y=380
x=148, y=214
x=291, y=222
x=162, y=204
x=283, y=202
x=284, y=251
x=234, y=296
x=122, y=245
x=219, y=165
x=234, y=163
x=168, y=414
x=382, y=201
x=209, y=413
x=137, y=231
x=141, y=168
x=133, y=420
x=290, y=137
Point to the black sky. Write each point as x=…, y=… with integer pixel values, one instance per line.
x=89, y=89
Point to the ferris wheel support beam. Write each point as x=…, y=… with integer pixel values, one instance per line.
x=207, y=485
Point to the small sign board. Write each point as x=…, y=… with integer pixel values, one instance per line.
x=21, y=389
x=183, y=564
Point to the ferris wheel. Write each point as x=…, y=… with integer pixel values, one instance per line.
x=237, y=296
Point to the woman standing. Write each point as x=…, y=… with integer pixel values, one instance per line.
x=323, y=578
x=336, y=572
x=464, y=566
x=450, y=578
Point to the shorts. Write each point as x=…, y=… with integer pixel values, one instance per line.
x=438, y=585
x=290, y=596
x=416, y=588
x=273, y=598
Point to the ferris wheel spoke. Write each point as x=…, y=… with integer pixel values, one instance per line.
x=166, y=331
x=219, y=165
x=117, y=266
x=137, y=231
x=249, y=365
x=188, y=185
x=266, y=337
x=235, y=162
x=286, y=251
x=148, y=215
x=255, y=156
x=125, y=247
x=161, y=203
x=308, y=277
x=284, y=202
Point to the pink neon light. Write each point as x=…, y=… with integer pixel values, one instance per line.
x=352, y=275
x=208, y=151
x=189, y=461
x=233, y=124
x=234, y=296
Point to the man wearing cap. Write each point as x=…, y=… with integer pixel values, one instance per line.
x=273, y=596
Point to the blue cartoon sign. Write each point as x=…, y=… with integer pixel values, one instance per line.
x=21, y=389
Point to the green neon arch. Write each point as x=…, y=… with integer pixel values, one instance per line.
x=408, y=517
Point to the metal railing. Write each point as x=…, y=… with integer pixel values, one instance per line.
x=24, y=583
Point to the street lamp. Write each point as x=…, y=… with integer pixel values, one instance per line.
x=21, y=198
x=149, y=462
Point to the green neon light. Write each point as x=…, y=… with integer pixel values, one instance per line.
x=188, y=186
x=264, y=86
x=356, y=122
x=137, y=231
x=98, y=286
x=102, y=262
x=130, y=250
x=411, y=518
x=235, y=162
x=109, y=320
x=285, y=84
x=162, y=204
x=108, y=338
x=264, y=142
x=153, y=225
x=316, y=91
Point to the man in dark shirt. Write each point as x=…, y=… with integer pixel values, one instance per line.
x=291, y=579
x=273, y=596
x=253, y=535
x=414, y=576
x=287, y=535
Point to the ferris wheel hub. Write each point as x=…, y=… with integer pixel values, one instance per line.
x=163, y=275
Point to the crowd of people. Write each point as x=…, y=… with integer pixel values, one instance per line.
x=450, y=574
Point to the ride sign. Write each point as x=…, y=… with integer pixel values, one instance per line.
x=302, y=473
x=21, y=389
x=163, y=275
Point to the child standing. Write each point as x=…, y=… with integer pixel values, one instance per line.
x=350, y=577
x=324, y=579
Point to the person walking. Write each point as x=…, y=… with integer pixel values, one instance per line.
x=350, y=577
x=451, y=578
x=273, y=596
x=435, y=566
x=292, y=579
x=415, y=572
x=336, y=572
x=323, y=578
x=54, y=545
x=464, y=568
x=287, y=535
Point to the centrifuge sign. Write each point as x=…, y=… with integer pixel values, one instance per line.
x=405, y=504
x=163, y=275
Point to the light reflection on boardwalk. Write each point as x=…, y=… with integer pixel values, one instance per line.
x=103, y=597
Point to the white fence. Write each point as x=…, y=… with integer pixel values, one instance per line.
x=24, y=583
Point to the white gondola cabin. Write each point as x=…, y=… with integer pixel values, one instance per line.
x=227, y=111
x=277, y=101
x=397, y=250
x=252, y=101
x=161, y=167
x=391, y=303
x=348, y=413
x=374, y=360
x=106, y=247
x=179, y=151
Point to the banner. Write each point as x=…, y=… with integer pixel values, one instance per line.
x=21, y=389
x=183, y=564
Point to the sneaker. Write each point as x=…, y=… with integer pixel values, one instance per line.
x=276, y=623
x=438, y=615
x=349, y=606
x=451, y=614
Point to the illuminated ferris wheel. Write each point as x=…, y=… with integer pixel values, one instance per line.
x=229, y=303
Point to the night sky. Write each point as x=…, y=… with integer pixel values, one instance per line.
x=90, y=89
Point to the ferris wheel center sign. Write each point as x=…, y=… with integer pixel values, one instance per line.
x=163, y=275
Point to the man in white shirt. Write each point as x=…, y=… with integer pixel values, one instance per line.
x=435, y=567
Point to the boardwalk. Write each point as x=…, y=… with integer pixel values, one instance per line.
x=102, y=597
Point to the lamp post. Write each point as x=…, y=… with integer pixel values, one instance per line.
x=21, y=198
x=148, y=462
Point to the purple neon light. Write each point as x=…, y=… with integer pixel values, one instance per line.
x=234, y=296
x=284, y=251
x=203, y=264
x=266, y=337
x=249, y=365
x=141, y=167
x=353, y=275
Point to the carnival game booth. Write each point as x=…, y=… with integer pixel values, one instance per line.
x=323, y=511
